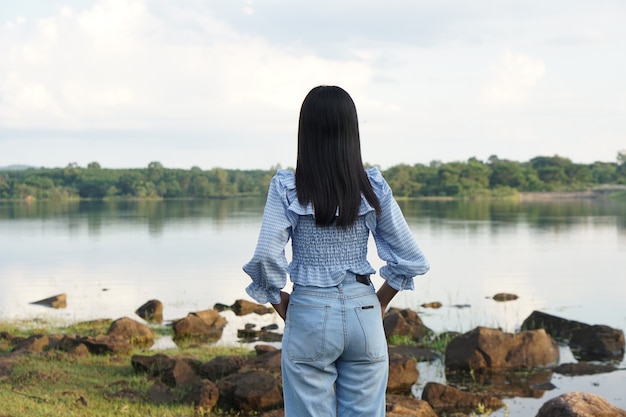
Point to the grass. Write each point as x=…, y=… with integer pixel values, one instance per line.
x=54, y=383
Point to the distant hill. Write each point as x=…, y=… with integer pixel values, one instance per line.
x=15, y=167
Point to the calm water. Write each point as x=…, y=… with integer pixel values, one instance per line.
x=566, y=258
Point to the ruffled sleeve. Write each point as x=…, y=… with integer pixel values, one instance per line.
x=395, y=242
x=268, y=266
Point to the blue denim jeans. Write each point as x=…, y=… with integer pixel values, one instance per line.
x=334, y=361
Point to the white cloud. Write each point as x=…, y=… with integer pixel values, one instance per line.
x=118, y=65
x=432, y=80
x=515, y=76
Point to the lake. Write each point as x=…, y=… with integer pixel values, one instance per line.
x=563, y=257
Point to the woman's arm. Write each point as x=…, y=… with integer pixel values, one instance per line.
x=385, y=293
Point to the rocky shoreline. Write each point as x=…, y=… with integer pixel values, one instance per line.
x=482, y=367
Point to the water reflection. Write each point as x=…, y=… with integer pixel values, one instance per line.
x=554, y=215
x=545, y=252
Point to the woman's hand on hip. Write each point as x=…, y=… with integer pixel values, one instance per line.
x=281, y=308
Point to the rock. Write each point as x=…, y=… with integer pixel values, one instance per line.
x=557, y=327
x=173, y=372
x=151, y=311
x=68, y=343
x=579, y=404
x=179, y=374
x=201, y=326
x=102, y=345
x=250, y=391
x=136, y=333
x=485, y=349
x=399, y=405
x=160, y=393
x=54, y=340
x=268, y=361
x=151, y=365
x=243, y=307
x=56, y=301
x=263, y=349
x=403, y=374
x=404, y=323
x=221, y=366
x=597, y=343
x=203, y=396
x=434, y=304
x=80, y=351
x=583, y=368
x=35, y=343
x=503, y=296
x=446, y=399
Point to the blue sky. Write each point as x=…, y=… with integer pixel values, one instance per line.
x=214, y=83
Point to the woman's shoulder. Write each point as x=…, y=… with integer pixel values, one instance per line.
x=285, y=178
x=379, y=184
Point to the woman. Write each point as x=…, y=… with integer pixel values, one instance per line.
x=334, y=360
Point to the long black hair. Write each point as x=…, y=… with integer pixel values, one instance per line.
x=329, y=170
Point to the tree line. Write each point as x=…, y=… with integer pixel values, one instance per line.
x=472, y=178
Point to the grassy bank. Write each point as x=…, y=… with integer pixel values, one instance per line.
x=55, y=383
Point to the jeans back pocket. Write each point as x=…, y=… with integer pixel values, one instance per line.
x=306, y=331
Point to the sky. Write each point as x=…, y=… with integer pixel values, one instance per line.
x=219, y=83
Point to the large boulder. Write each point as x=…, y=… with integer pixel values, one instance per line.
x=598, y=343
x=136, y=333
x=179, y=374
x=151, y=365
x=405, y=323
x=557, y=327
x=203, y=396
x=403, y=374
x=250, y=391
x=220, y=367
x=151, y=311
x=173, y=372
x=485, y=349
x=200, y=326
x=446, y=399
x=579, y=404
x=269, y=361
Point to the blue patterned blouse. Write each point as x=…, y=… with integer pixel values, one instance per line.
x=321, y=256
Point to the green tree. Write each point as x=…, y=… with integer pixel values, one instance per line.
x=129, y=183
x=604, y=173
x=401, y=179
